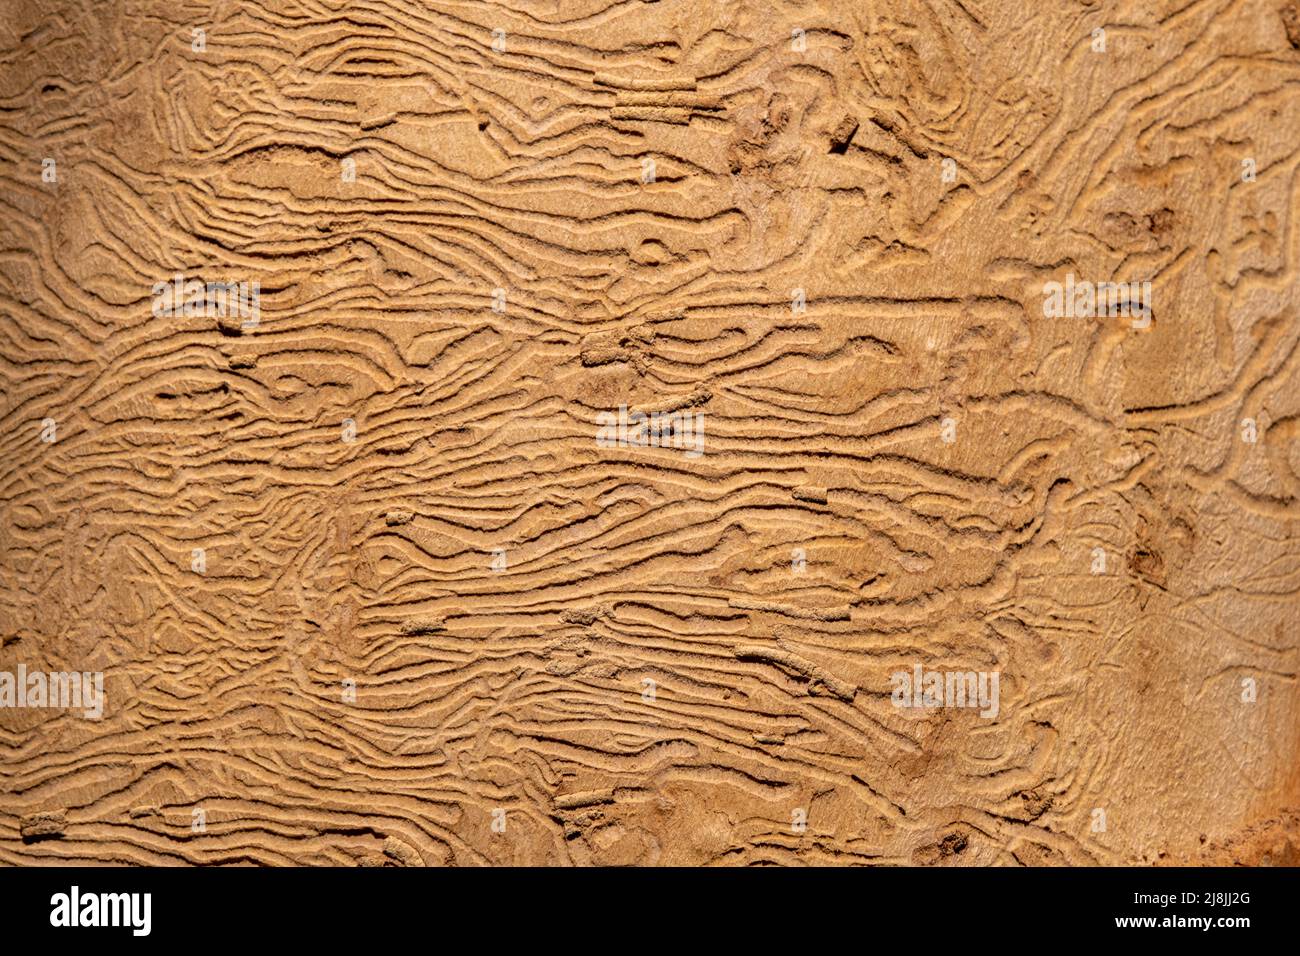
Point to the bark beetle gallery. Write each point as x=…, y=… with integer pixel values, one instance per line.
x=649, y=433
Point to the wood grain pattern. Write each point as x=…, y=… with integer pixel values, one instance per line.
x=798, y=156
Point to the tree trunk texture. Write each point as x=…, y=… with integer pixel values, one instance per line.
x=650, y=433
